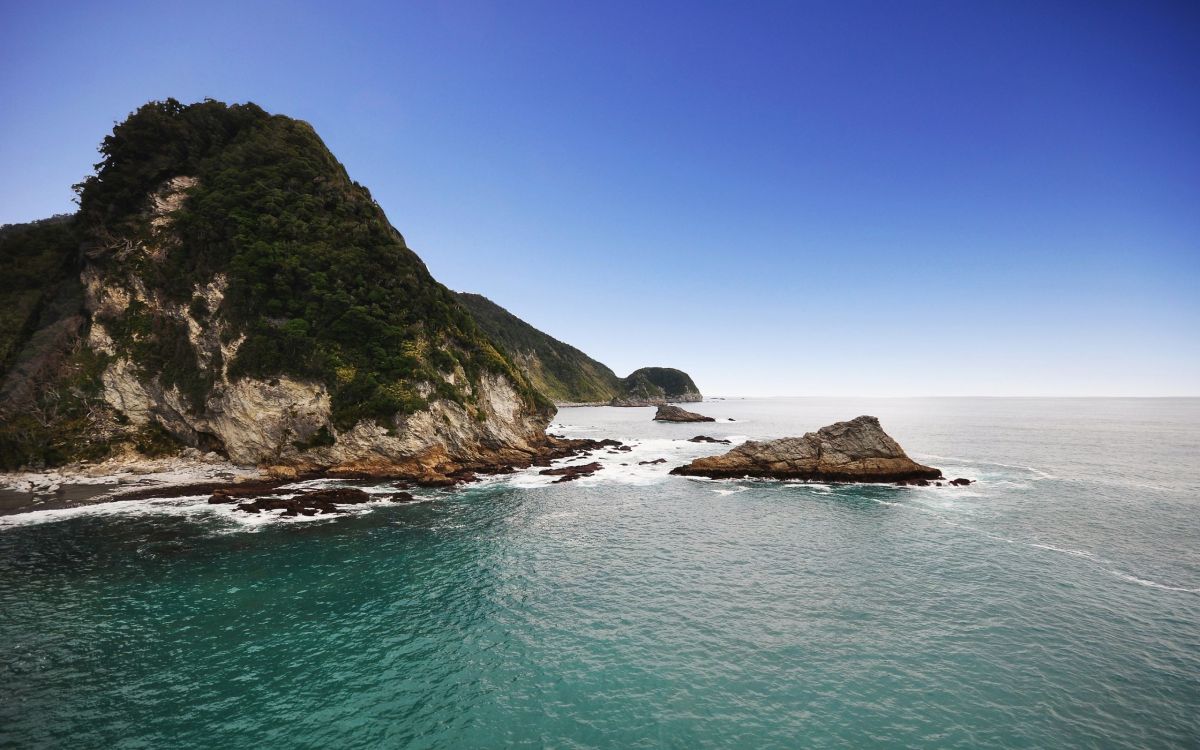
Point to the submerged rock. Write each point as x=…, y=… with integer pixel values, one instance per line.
x=306, y=504
x=707, y=439
x=668, y=413
x=854, y=451
x=571, y=473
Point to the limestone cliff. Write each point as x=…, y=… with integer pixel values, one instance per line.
x=241, y=294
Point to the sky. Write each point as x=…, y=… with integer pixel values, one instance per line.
x=799, y=198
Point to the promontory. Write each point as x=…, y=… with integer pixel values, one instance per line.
x=227, y=289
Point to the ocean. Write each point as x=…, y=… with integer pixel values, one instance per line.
x=1055, y=602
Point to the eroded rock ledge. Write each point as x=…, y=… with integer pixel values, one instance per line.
x=854, y=451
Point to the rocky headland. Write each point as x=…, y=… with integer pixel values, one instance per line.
x=227, y=291
x=854, y=451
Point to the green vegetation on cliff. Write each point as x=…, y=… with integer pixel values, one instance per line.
x=558, y=370
x=320, y=284
x=311, y=281
x=657, y=383
x=46, y=407
x=217, y=242
x=39, y=266
x=566, y=374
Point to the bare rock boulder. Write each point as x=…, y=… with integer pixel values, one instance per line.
x=668, y=413
x=854, y=451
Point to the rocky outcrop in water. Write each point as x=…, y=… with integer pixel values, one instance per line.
x=668, y=413
x=854, y=451
x=571, y=473
x=323, y=502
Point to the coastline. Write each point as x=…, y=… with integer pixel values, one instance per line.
x=76, y=485
x=135, y=477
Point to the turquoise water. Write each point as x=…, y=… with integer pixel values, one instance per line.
x=1055, y=603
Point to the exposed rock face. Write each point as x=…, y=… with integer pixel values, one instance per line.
x=270, y=422
x=667, y=413
x=854, y=451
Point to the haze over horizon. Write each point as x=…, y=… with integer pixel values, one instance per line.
x=838, y=200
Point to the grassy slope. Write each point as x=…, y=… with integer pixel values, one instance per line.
x=558, y=370
x=657, y=382
x=564, y=373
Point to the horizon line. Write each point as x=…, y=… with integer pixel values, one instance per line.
x=962, y=396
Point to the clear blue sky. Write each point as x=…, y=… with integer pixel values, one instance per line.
x=826, y=198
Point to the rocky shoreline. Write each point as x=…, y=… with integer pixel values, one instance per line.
x=138, y=478
x=854, y=451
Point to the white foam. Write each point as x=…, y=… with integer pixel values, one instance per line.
x=623, y=467
x=198, y=505
x=184, y=505
x=730, y=491
x=1152, y=584
x=1064, y=550
x=811, y=486
x=945, y=492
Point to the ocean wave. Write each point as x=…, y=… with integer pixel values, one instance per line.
x=813, y=486
x=186, y=504
x=733, y=491
x=971, y=461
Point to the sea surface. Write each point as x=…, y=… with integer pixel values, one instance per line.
x=1054, y=603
